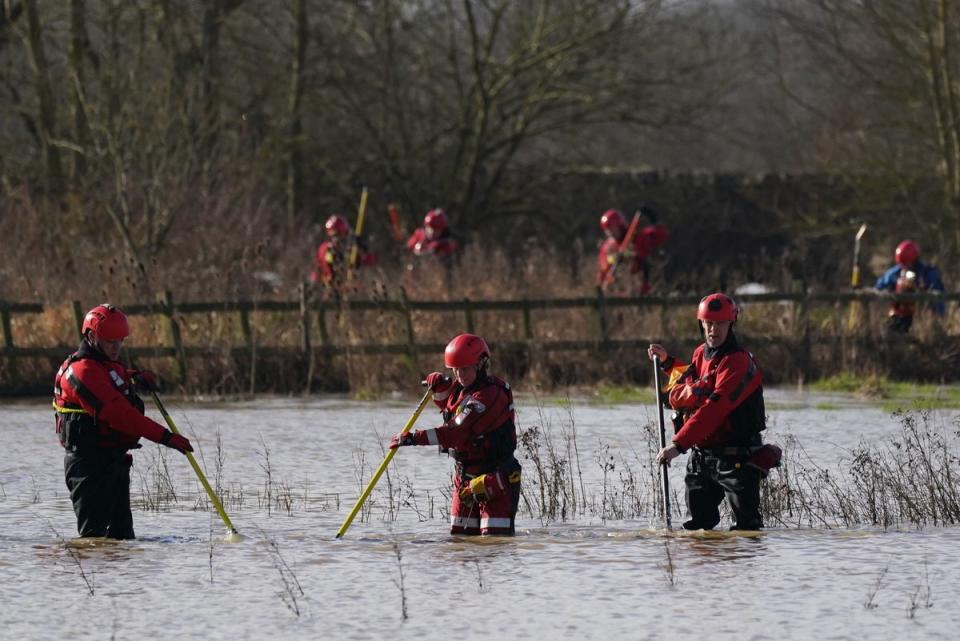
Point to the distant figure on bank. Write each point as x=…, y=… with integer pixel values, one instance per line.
x=333, y=254
x=434, y=238
x=478, y=431
x=634, y=256
x=909, y=274
x=718, y=416
x=99, y=419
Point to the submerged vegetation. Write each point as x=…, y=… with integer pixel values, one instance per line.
x=907, y=480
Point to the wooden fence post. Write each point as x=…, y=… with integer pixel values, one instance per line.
x=78, y=317
x=305, y=333
x=528, y=335
x=601, y=310
x=468, y=315
x=411, y=336
x=527, y=323
x=803, y=337
x=10, y=367
x=7, y=328
x=174, y=329
x=322, y=323
x=249, y=341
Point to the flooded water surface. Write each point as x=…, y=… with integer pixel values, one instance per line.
x=592, y=563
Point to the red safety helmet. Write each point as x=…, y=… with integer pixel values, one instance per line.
x=107, y=322
x=435, y=219
x=337, y=226
x=613, y=220
x=717, y=307
x=466, y=350
x=907, y=253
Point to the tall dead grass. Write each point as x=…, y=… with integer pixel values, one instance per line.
x=230, y=247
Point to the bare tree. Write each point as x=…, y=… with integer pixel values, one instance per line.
x=888, y=96
x=46, y=106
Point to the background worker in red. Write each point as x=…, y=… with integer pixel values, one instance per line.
x=645, y=240
x=99, y=419
x=719, y=414
x=334, y=252
x=434, y=238
x=909, y=274
x=478, y=431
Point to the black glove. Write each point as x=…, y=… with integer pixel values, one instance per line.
x=146, y=380
x=402, y=440
x=178, y=442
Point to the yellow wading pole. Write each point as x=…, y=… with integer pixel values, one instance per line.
x=361, y=214
x=854, y=317
x=232, y=534
x=382, y=468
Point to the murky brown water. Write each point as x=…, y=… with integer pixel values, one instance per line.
x=590, y=578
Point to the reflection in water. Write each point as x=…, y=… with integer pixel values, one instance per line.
x=705, y=549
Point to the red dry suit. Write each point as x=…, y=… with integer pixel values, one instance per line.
x=479, y=432
x=442, y=246
x=719, y=397
x=331, y=260
x=97, y=406
x=635, y=256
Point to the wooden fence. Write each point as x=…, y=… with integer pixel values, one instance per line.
x=316, y=311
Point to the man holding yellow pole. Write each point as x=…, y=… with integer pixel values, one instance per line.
x=478, y=431
x=100, y=418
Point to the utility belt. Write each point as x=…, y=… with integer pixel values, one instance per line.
x=727, y=452
x=509, y=465
x=762, y=458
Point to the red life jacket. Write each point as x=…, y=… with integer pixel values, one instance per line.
x=479, y=429
x=331, y=261
x=710, y=419
x=97, y=407
x=634, y=256
x=441, y=246
x=906, y=285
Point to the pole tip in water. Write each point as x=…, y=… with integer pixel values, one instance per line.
x=233, y=536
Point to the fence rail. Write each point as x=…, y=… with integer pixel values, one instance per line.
x=315, y=311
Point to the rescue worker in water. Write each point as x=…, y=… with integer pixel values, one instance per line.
x=719, y=414
x=99, y=419
x=478, y=431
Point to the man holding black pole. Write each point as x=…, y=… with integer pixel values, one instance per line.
x=718, y=416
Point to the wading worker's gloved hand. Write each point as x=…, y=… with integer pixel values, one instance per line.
x=419, y=437
x=439, y=384
x=177, y=442
x=145, y=380
x=399, y=440
x=476, y=489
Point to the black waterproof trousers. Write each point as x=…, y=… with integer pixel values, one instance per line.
x=711, y=478
x=99, y=484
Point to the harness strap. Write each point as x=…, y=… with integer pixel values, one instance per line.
x=68, y=409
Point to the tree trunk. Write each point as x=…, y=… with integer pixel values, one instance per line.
x=79, y=44
x=295, y=158
x=210, y=75
x=53, y=167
